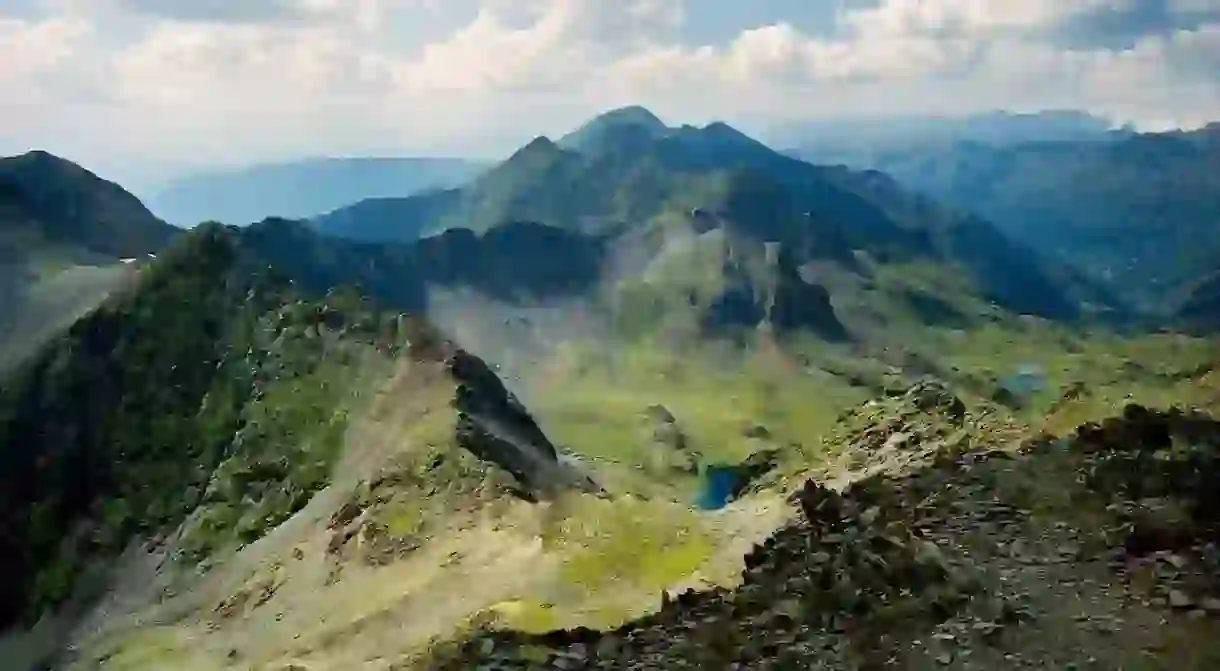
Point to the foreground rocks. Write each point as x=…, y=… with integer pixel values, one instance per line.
x=1095, y=551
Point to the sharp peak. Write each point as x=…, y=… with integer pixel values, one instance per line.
x=715, y=126
x=723, y=128
x=541, y=143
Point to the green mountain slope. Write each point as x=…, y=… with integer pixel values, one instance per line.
x=631, y=175
x=514, y=262
x=213, y=393
x=1138, y=213
x=63, y=235
x=600, y=131
x=303, y=188
x=46, y=200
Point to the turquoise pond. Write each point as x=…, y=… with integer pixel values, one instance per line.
x=719, y=483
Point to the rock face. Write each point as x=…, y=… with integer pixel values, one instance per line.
x=494, y=426
x=798, y=304
x=674, y=451
x=491, y=423
x=777, y=296
x=1165, y=468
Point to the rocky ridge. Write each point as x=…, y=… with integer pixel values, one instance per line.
x=1097, y=550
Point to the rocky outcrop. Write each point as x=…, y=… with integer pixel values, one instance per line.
x=674, y=451
x=772, y=292
x=493, y=425
x=1162, y=470
x=906, y=431
x=800, y=305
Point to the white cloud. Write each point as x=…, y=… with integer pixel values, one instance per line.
x=338, y=76
x=29, y=49
x=906, y=17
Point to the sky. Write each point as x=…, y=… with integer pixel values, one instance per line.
x=144, y=89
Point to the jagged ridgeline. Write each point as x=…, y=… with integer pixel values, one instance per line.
x=209, y=388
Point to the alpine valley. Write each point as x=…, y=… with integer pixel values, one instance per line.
x=642, y=396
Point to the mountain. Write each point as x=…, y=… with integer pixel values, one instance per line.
x=275, y=447
x=1139, y=214
x=211, y=398
x=303, y=188
x=64, y=233
x=514, y=262
x=48, y=201
x=632, y=175
x=598, y=131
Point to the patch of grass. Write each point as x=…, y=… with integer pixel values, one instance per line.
x=430, y=481
x=1109, y=369
x=528, y=615
x=646, y=545
x=148, y=649
x=292, y=434
x=593, y=402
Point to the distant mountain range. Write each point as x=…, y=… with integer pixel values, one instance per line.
x=302, y=189
x=863, y=141
x=1138, y=212
x=626, y=176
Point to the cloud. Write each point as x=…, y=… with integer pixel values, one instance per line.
x=184, y=83
x=1120, y=24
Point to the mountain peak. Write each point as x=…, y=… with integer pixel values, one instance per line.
x=721, y=131
x=535, y=155
x=42, y=160
x=635, y=114
x=594, y=132
x=70, y=205
x=541, y=143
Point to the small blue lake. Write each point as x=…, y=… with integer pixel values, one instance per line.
x=717, y=486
